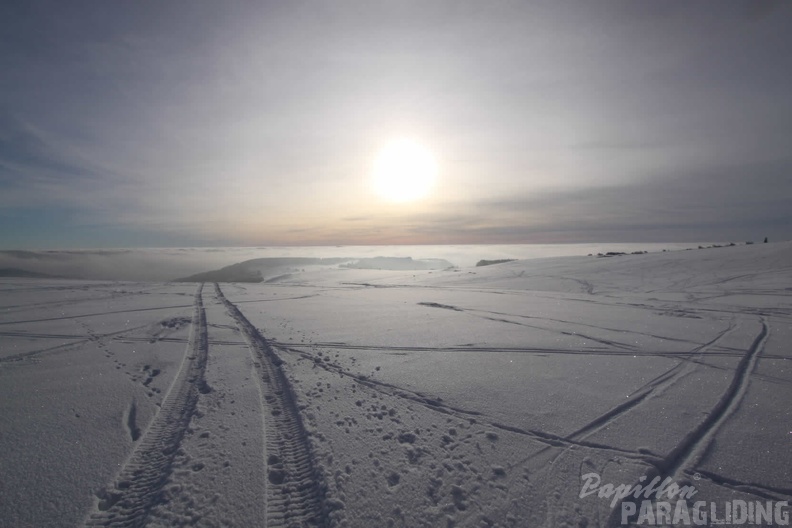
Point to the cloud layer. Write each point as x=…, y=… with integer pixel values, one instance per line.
x=202, y=123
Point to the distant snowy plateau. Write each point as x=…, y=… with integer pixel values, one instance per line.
x=337, y=396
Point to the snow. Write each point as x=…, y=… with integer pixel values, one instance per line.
x=359, y=397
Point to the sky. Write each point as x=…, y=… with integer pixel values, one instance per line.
x=205, y=123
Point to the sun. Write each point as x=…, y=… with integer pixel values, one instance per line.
x=404, y=171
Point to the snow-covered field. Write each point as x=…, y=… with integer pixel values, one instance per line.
x=367, y=398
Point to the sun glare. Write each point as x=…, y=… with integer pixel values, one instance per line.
x=404, y=171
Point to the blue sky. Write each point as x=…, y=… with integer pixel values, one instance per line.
x=137, y=124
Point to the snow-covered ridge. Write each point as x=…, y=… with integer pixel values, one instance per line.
x=366, y=397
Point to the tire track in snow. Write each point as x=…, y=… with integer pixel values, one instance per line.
x=137, y=488
x=294, y=489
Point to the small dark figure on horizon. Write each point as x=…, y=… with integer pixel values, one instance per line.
x=765, y=240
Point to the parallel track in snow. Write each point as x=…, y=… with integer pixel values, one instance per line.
x=691, y=450
x=294, y=486
x=138, y=487
x=681, y=461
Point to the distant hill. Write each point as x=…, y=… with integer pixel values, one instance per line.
x=280, y=269
x=493, y=262
x=262, y=269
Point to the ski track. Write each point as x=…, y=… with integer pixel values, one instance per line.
x=81, y=340
x=128, y=501
x=677, y=355
x=651, y=389
x=760, y=490
x=682, y=460
x=690, y=451
x=295, y=489
x=575, y=323
x=615, y=344
x=436, y=405
x=47, y=319
x=15, y=308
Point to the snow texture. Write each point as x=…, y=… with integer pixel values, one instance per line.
x=337, y=396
